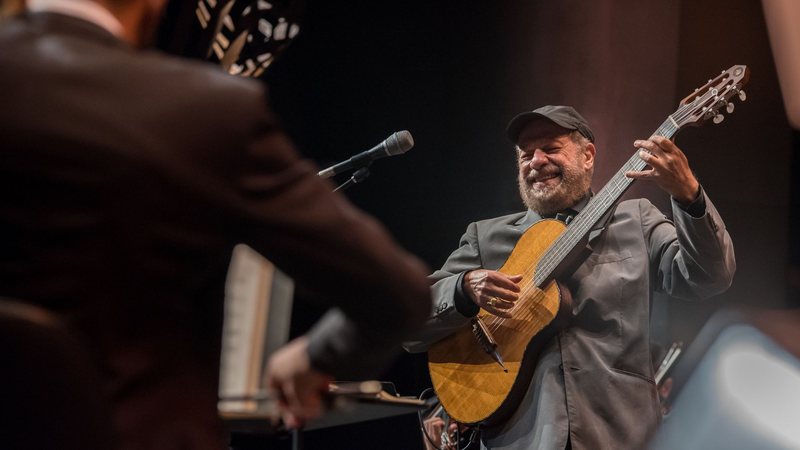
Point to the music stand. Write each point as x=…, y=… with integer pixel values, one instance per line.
x=350, y=403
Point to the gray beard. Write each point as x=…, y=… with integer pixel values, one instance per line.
x=552, y=199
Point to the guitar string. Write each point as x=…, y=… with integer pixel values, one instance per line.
x=564, y=242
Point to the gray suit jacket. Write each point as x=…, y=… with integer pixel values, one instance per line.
x=610, y=395
x=127, y=178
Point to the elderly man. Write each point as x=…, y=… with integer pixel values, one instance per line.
x=593, y=384
x=127, y=178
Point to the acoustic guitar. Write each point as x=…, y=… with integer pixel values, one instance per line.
x=480, y=373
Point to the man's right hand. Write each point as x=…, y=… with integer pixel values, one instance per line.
x=493, y=291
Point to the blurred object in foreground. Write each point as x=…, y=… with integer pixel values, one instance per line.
x=738, y=385
x=784, y=37
x=243, y=36
x=10, y=7
x=247, y=36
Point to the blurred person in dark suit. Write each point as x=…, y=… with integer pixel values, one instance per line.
x=128, y=176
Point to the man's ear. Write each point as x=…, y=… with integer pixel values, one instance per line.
x=588, y=153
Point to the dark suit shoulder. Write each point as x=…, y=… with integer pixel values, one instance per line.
x=200, y=85
x=197, y=75
x=148, y=86
x=634, y=207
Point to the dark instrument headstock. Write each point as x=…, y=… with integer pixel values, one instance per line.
x=247, y=35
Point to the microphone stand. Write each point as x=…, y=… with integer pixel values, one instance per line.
x=359, y=176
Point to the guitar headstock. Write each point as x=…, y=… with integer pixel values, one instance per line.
x=706, y=101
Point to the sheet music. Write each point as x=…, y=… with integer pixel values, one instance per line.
x=258, y=300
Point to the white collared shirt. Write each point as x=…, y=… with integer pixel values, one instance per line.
x=82, y=9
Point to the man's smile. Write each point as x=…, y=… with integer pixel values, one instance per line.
x=549, y=178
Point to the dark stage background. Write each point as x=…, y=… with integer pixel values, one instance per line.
x=454, y=72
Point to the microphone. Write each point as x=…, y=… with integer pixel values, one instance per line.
x=396, y=144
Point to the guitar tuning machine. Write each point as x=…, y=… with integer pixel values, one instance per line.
x=719, y=118
x=729, y=107
x=742, y=96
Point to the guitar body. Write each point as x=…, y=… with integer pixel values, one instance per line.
x=473, y=387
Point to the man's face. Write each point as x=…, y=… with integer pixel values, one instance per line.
x=554, y=171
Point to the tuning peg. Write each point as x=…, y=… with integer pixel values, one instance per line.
x=719, y=118
x=742, y=96
x=730, y=107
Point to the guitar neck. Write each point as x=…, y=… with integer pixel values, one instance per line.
x=595, y=210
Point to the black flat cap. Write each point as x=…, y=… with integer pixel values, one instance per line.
x=563, y=116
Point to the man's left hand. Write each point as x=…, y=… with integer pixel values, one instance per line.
x=669, y=169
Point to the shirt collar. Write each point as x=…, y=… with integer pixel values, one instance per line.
x=82, y=9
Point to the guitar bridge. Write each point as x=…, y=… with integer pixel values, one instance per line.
x=487, y=342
